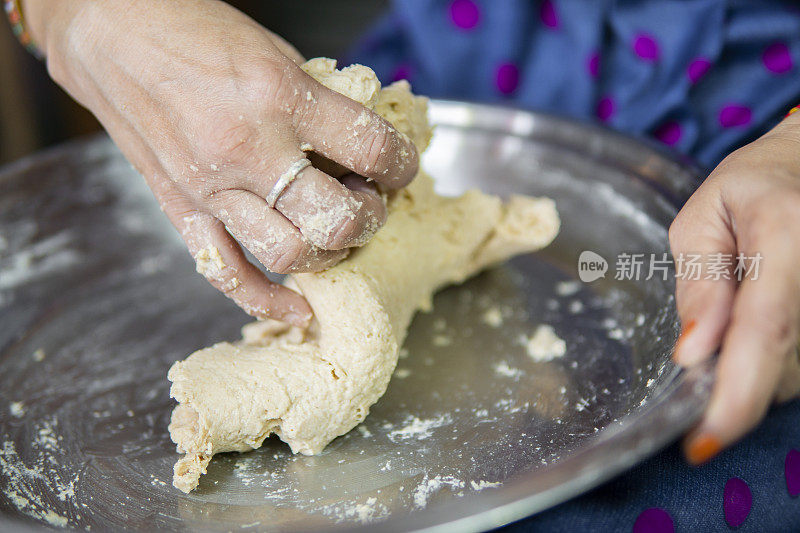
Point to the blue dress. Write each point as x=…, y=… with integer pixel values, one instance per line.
x=702, y=76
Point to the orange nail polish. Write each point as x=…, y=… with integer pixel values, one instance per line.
x=685, y=331
x=702, y=448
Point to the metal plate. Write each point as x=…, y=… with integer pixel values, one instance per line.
x=98, y=298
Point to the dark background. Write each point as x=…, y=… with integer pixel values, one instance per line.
x=35, y=113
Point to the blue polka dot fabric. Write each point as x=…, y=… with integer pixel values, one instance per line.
x=702, y=76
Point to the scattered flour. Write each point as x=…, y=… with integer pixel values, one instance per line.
x=442, y=340
x=415, y=428
x=38, y=355
x=503, y=369
x=366, y=512
x=567, y=288
x=365, y=432
x=544, y=345
x=480, y=485
x=17, y=409
x=429, y=486
x=493, y=317
x=402, y=373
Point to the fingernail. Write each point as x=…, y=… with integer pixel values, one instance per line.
x=679, y=346
x=702, y=448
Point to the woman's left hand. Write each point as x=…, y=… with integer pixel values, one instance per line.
x=749, y=205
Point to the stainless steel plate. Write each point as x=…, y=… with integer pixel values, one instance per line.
x=98, y=298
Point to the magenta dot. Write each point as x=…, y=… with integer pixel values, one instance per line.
x=465, y=14
x=653, y=520
x=669, y=133
x=547, y=12
x=402, y=72
x=605, y=108
x=698, y=68
x=507, y=78
x=793, y=473
x=736, y=501
x=735, y=115
x=777, y=58
x=645, y=47
x=594, y=65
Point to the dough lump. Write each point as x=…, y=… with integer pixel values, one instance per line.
x=310, y=386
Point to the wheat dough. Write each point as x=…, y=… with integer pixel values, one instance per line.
x=308, y=387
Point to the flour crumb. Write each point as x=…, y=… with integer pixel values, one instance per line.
x=17, y=409
x=429, y=486
x=575, y=307
x=365, y=432
x=38, y=355
x=442, y=340
x=567, y=288
x=544, y=345
x=480, y=485
x=419, y=429
x=503, y=369
x=493, y=317
x=402, y=373
x=209, y=262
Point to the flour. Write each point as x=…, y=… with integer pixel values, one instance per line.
x=480, y=485
x=544, y=345
x=420, y=429
x=17, y=409
x=492, y=317
x=430, y=486
x=504, y=370
x=567, y=288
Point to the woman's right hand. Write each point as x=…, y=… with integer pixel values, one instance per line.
x=211, y=108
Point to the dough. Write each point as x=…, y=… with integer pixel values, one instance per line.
x=308, y=387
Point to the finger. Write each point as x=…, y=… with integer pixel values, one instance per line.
x=329, y=214
x=704, y=305
x=763, y=330
x=285, y=48
x=789, y=387
x=269, y=236
x=221, y=261
x=346, y=132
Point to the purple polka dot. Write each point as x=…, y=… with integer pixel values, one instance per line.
x=777, y=58
x=605, y=108
x=734, y=115
x=697, y=69
x=465, y=14
x=669, y=133
x=594, y=65
x=646, y=47
x=547, y=12
x=402, y=72
x=653, y=520
x=507, y=78
x=737, y=501
x=793, y=473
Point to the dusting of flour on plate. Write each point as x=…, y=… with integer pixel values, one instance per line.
x=431, y=485
x=544, y=345
x=17, y=409
x=492, y=317
x=419, y=429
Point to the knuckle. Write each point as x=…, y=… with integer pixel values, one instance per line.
x=225, y=137
x=380, y=143
x=286, y=258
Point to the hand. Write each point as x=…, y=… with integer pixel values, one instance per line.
x=750, y=204
x=211, y=108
